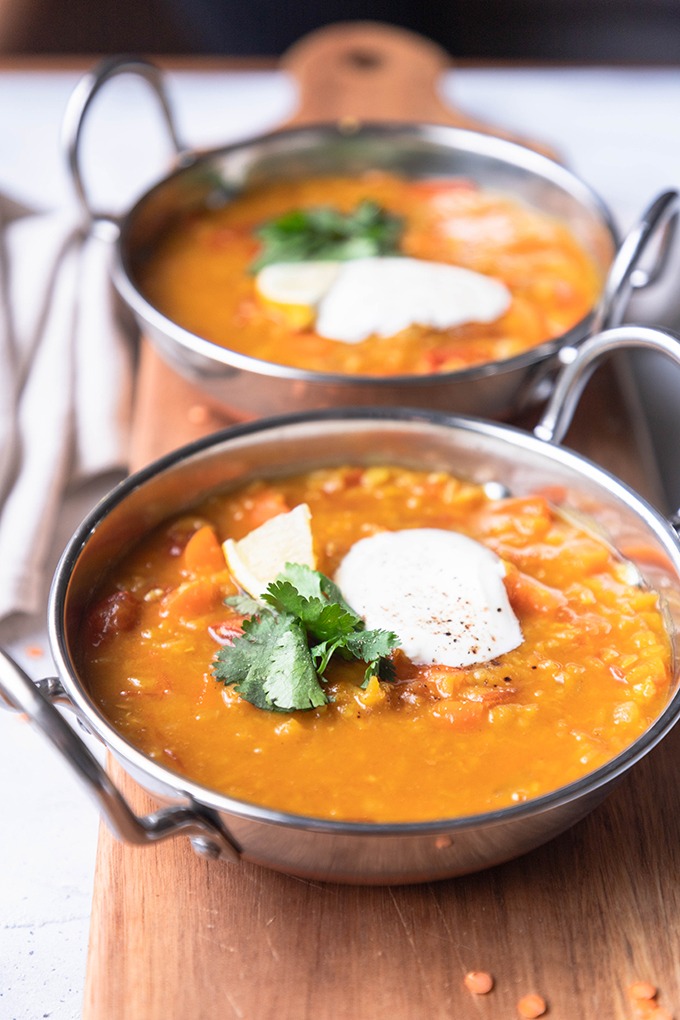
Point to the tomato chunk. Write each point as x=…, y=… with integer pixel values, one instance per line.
x=114, y=614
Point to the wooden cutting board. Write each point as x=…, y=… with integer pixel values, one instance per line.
x=174, y=937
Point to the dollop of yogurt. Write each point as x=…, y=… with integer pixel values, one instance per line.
x=441, y=592
x=382, y=295
x=385, y=295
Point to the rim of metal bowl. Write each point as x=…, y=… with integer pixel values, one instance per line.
x=469, y=141
x=203, y=795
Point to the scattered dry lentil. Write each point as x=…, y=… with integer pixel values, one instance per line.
x=198, y=414
x=478, y=982
x=531, y=1006
x=642, y=990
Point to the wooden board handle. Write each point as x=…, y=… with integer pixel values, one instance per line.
x=365, y=70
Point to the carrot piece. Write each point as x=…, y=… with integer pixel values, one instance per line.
x=527, y=595
x=489, y=697
x=191, y=599
x=462, y=715
x=203, y=553
x=530, y=506
x=265, y=504
x=524, y=516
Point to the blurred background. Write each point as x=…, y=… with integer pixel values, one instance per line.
x=600, y=31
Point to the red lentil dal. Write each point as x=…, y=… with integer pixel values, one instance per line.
x=591, y=675
x=198, y=275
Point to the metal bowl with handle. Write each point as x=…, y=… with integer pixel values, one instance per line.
x=249, y=387
x=482, y=451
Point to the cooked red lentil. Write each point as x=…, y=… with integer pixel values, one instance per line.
x=199, y=274
x=592, y=673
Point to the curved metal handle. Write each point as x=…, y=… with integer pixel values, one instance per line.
x=571, y=381
x=76, y=111
x=625, y=273
x=18, y=692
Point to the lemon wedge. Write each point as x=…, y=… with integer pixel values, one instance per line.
x=294, y=289
x=258, y=558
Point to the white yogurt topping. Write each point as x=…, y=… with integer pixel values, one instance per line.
x=383, y=296
x=442, y=593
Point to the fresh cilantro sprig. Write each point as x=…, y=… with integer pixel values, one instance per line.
x=279, y=661
x=322, y=233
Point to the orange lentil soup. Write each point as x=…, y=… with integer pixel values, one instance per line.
x=199, y=275
x=592, y=673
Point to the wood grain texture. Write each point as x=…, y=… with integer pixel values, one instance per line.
x=174, y=937
x=577, y=921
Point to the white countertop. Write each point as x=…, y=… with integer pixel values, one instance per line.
x=616, y=128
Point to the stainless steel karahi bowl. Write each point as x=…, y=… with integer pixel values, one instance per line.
x=249, y=387
x=221, y=827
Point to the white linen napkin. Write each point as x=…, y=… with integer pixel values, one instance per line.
x=66, y=354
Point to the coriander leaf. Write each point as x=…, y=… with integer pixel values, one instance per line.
x=382, y=668
x=292, y=222
x=371, y=644
x=323, y=233
x=270, y=665
x=313, y=584
x=289, y=638
x=373, y=647
x=244, y=604
x=322, y=653
x=242, y=662
x=322, y=618
x=292, y=681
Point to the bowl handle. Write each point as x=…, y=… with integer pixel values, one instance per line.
x=579, y=365
x=202, y=826
x=76, y=112
x=625, y=273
